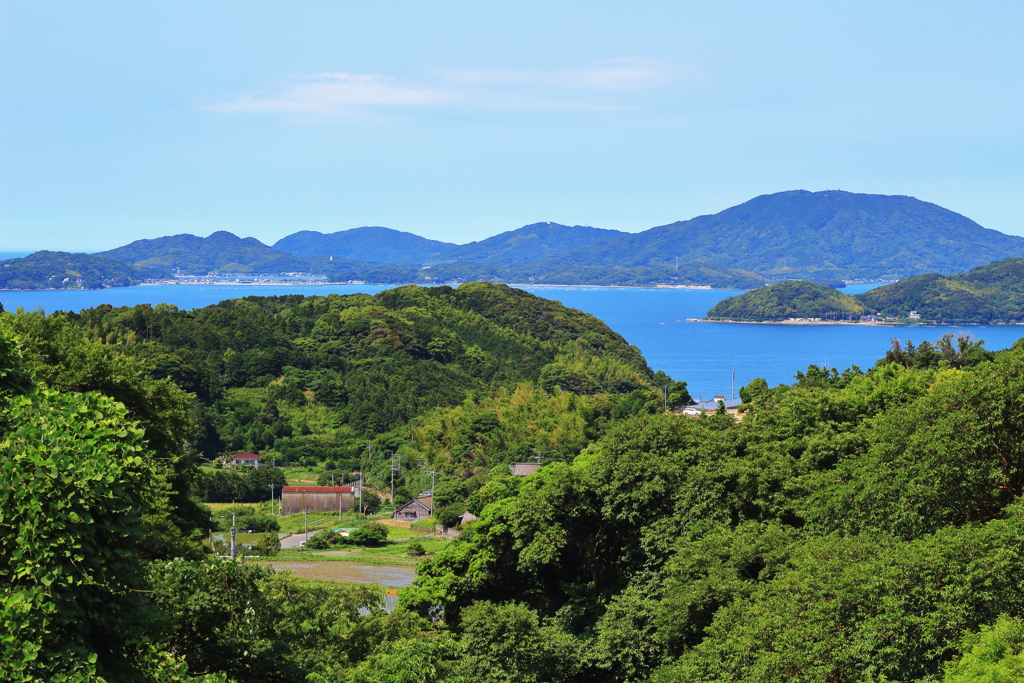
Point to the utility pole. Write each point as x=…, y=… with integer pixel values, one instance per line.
x=232, y=535
x=664, y=390
x=433, y=476
x=271, y=498
x=734, y=381
x=305, y=526
x=394, y=467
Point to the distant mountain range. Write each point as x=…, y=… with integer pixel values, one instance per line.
x=221, y=251
x=824, y=237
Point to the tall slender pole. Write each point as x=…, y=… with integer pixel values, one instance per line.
x=271, y=498
x=433, y=476
x=394, y=466
x=232, y=535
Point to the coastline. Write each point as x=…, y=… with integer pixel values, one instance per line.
x=809, y=322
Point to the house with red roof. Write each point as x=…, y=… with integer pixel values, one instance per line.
x=246, y=459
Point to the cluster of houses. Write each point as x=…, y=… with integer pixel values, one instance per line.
x=422, y=507
x=344, y=498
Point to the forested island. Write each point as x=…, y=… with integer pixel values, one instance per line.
x=853, y=526
x=787, y=300
x=992, y=293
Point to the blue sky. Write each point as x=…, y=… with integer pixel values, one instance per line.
x=459, y=120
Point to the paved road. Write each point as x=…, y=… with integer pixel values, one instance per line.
x=293, y=540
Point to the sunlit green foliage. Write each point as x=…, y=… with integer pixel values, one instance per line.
x=311, y=378
x=76, y=480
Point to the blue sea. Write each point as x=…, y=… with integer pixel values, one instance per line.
x=705, y=355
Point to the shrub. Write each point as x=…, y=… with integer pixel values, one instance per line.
x=325, y=540
x=416, y=548
x=448, y=515
x=373, y=533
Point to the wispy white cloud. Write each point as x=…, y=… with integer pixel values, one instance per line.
x=334, y=94
x=613, y=75
x=337, y=95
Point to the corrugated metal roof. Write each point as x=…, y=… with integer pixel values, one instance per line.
x=317, y=489
x=712, y=405
x=523, y=469
x=426, y=502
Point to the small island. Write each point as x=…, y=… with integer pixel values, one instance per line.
x=989, y=294
x=791, y=300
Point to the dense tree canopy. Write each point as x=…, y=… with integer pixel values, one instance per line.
x=862, y=526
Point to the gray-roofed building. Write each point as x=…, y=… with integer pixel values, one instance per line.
x=522, y=469
x=415, y=510
x=713, y=405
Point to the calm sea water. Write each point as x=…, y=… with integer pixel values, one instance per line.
x=702, y=354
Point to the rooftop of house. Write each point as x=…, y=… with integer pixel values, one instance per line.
x=245, y=456
x=317, y=489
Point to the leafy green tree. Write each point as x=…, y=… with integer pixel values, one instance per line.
x=754, y=390
x=413, y=660
x=448, y=516
x=219, y=619
x=62, y=358
x=678, y=395
x=507, y=643
x=77, y=479
x=995, y=654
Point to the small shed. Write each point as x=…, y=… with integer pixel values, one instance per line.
x=246, y=459
x=316, y=498
x=467, y=517
x=415, y=510
x=522, y=469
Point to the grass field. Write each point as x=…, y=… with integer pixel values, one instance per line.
x=395, y=552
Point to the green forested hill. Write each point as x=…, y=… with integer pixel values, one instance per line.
x=61, y=270
x=990, y=293
x=221, y=251
x=530, y=243
x=993, y=293
x=793, y=299
x=830, y=235
x=363, y=244
x=312, y=377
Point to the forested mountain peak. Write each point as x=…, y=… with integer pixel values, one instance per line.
x=193, y=255
x=370, y=243
x=531, y=242
x=816, y=235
